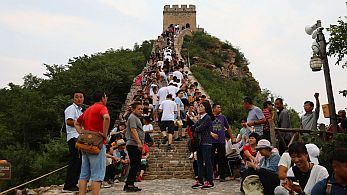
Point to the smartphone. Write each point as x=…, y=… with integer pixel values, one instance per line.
x=294, y=180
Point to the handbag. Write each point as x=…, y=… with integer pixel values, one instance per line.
x=90, y=142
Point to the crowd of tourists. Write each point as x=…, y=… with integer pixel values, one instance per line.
x=167, y=98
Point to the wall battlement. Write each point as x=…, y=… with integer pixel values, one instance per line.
x=183, y=15
x=176, y=8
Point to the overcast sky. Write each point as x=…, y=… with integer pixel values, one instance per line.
x=269, y=32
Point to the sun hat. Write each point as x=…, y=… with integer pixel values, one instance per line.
x=120, y=142
x=313, y=152
x=263, y=143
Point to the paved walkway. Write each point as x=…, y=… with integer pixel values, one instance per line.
x=167, y=187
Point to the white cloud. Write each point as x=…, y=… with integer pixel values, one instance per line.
x=40, y=23
x=135, y=9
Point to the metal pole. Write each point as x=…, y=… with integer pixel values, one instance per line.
x=332, y=111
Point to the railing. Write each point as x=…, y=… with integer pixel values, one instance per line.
x=297, y=132
x=28, y=182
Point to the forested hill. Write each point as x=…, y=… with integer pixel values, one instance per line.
x=223, y=71
x=32, y=136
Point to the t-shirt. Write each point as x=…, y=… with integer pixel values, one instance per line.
x=309, y=120
x=336, y=188
x=72, y=112
x=151, y=89
x=148, y=127
x=155, y=99
x=134, y=123
x=267, y=115
x=256, y=114
x=93, y=118
x=283, y=119
x=245, y=132
x=317, y=174
x=172, y=90
x=178, y=74
x=121, y=154
x=231, y=150
x=219, y=125
x=180, y=103
x=169, y=108
x=162, y=93
x=145, y=150
x=285, y=160
x=248, y=148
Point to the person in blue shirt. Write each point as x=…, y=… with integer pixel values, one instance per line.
x=336, y=183
x=267, y=168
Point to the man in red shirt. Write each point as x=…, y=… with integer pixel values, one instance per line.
x=95, y=118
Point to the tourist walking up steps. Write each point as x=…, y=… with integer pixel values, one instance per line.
x=202, y=136
x=96, y=119
x=135, y=140
x=71, y=114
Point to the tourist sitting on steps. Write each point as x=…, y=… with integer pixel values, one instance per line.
x=304, y=174
x=267, y=166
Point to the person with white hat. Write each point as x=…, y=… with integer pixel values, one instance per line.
x=267, y=167
x=305, y=173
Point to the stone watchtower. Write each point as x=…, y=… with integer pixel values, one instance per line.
x=184, y=16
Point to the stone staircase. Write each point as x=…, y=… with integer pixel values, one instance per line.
x=164, y=164
x=167, y=164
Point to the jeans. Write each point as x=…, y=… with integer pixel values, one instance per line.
x=94, y=166
x=74, y=168
x=204, y=157
x=221, y=159
x=135, y=163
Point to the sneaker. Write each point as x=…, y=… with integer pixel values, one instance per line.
x=164, y=140
x=196, y=185
x=127, y=188
x=116, y=181
x=207, y=185
x=139, y=178
x=70, y=189
x=191, y=156
x=105, y=184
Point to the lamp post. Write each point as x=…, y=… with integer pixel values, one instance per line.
x=319, y=54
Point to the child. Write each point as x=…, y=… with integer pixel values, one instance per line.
x=144, y=161
x=148, y=128
x=232, y=153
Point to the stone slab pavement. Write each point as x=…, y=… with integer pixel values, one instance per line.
x=175, y=187
x=167, y=187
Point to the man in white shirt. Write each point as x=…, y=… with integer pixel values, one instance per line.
x=169, y=109
x=177, y=73
x=71, y=114
x=163, y=92
x=172, y=90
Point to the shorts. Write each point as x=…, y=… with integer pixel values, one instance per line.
x=169, y=125
x=155, y=108
x=93, y=166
